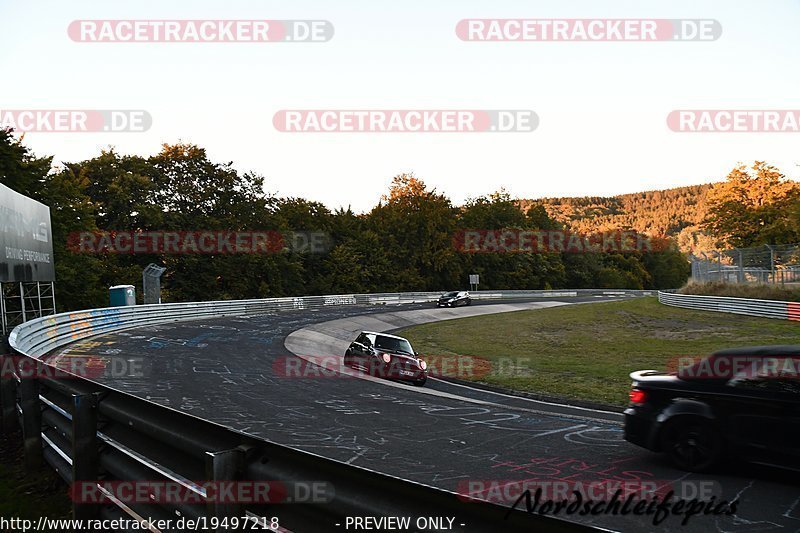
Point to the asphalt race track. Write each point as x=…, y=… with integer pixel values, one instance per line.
x=231, y=371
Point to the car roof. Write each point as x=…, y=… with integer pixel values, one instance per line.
x=383, y=334
x=762, y=351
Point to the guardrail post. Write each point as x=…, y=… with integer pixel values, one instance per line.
x=85, y=452
x=8, y=392
x=31, y=420
x=226, y=465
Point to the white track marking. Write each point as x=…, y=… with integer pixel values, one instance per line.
x=320, y=336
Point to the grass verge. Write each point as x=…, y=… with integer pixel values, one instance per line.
x=586, y=351
x=756, y=291
x=29, y=495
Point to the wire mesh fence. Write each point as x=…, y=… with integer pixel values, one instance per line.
x=774, y=264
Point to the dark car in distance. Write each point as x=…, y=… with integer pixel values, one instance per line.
x=740, y=403
x=454, y=299
x=386, y=356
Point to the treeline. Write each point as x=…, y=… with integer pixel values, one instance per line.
x=405, y=243
x=752, y=206
x=675, y=213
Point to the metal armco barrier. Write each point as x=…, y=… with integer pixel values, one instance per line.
x=89, y=432
x=40, y=336
x=739, y=306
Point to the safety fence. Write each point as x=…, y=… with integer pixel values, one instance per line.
x=739, y=306
x=776, y=264
x=89, y=432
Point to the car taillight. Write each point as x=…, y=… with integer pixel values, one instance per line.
x=637, y=396
x=387, y=358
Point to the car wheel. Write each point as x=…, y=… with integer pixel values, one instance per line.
x=692, y=444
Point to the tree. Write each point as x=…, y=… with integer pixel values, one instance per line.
x=20, y=169
x=122, y=189
x=623, y=271
x=751, y=207
x=509, y=270
x=405, y=243
x=192, y=189
x=416, y=226
x=668, y=269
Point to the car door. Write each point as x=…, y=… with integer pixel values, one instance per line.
x=369, y=352
x=764, y=414
x=359, y=349
x=753, y=426
x=786, y=444
x=790, y=401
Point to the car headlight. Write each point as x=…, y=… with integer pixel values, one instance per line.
x=387, y=358
x=422, y=364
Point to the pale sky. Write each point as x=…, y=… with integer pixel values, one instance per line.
x=602, y=106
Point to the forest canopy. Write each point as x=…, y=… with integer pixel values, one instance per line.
x=404, y=243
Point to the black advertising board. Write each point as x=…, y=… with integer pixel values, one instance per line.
x=26, y=238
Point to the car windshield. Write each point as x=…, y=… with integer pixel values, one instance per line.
x=450, y=294
x=393, y=344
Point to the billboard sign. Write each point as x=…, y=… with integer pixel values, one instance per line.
x=26, y=238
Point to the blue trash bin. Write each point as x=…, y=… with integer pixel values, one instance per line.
x=120, y=295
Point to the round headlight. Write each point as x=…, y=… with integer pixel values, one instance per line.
x=422, y=364
x=387, y=358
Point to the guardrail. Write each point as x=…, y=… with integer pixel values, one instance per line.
x=40, y=336
x=89, y=432
x=740, y=306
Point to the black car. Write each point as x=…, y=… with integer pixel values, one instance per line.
x=741, y=403
x=454, y=299
x=386, y=356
